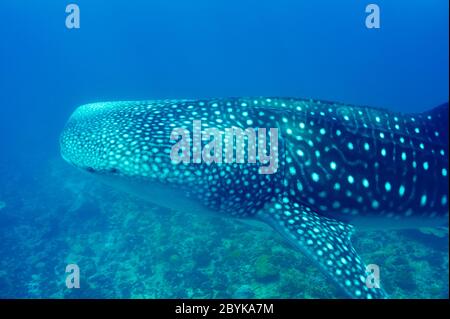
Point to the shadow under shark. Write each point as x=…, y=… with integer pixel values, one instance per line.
x=339, y=167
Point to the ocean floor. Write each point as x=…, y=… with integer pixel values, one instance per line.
x=127, y=248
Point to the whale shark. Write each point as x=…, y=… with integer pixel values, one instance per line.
x=340, y=167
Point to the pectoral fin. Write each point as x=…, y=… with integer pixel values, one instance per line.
x=326, y=241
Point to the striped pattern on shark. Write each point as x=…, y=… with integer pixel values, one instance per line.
x=340, y=166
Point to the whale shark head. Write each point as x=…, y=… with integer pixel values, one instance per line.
x=116, y=139
x=131, y=145
x=125, y=144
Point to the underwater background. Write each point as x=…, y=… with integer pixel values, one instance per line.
x=52, y=215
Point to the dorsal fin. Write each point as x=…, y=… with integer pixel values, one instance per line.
x=438, y=119
x=439, y=114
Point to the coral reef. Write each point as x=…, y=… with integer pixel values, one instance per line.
x=265, y=270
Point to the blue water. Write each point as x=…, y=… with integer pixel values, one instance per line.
x=51, y=215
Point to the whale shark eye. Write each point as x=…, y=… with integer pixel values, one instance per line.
x=90, y=169
x=114, y=170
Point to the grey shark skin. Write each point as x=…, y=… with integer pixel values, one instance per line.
x=339, y=166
